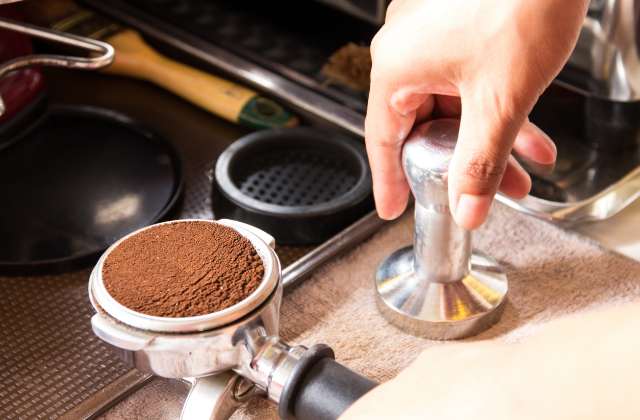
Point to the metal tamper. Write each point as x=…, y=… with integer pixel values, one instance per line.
x=438, y=288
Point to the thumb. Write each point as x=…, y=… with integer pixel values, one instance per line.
x=487, y=132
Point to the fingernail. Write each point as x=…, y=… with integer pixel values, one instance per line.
x=471, y=210
x=393, y=213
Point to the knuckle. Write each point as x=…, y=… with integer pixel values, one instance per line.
x=379, y=43
x=484, y=172
x=374, y=47
x=391, y=9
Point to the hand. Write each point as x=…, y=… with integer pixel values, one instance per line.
x=487, y=61
x=580, y=367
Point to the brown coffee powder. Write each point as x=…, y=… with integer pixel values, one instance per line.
x=182, y=269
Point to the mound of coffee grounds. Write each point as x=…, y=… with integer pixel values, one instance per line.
x=182, y=269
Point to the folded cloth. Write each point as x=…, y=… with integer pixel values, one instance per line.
x=552, y=272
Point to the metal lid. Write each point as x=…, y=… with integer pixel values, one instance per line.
x=101, y=297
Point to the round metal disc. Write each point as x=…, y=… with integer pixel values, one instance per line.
x=76, y=181
x=440, y=311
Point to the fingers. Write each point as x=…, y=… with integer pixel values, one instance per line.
x=487, y=132
x=534, y=145
x=391, y=113
x=385, y=131
x=424, y=111
x=516, y=182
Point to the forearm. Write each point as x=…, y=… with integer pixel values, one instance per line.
x=584, y=367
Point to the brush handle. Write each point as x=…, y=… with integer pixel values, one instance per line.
x=226, y=99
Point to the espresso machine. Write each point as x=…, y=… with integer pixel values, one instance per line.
x=591, y=111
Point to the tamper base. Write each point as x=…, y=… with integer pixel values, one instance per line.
x=440, y=311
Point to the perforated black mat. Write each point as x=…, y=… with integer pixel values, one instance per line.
x=297, y=177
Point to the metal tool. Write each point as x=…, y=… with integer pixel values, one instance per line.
x=438, y=288
x=305, y=382
x=105, y=51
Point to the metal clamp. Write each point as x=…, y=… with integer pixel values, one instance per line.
x=105, y=51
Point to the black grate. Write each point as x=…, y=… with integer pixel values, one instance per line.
x=297, y=178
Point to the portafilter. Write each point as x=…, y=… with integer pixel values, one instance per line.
x=232, y=354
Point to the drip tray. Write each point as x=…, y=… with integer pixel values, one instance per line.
x=51, y=364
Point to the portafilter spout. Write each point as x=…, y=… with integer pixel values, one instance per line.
x=438, y=288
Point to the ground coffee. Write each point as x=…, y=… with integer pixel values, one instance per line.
x=182, y=269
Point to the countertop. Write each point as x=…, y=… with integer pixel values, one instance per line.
x=620, y=233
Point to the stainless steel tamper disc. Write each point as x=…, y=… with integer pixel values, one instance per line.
x=438, y=288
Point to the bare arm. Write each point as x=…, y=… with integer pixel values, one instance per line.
x=583, y=367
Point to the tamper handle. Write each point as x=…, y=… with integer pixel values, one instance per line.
x=321, y=389
x=425, y=159
x=442, y=248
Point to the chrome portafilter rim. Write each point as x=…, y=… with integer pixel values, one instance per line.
x=102, y=300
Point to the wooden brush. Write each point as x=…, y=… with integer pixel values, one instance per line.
x=135, y=58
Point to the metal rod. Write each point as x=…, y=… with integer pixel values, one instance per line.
x=89, y=63
x=442, y=249
x=105, y=50
x=347, y=239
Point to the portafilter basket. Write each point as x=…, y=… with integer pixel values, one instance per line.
x=230, y=354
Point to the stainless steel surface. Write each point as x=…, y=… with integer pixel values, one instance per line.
x=607, y=49
x=212, y=397
x=601, y=206
x=101, y=401
x=437, y=288
x=270, y=365
x=189, y=354
x=104, y=51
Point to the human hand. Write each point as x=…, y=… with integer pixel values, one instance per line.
x=486, y=61
x=583, y=367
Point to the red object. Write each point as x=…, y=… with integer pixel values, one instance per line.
x=21, y=87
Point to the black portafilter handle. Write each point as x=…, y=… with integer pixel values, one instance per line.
x=320, y=388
